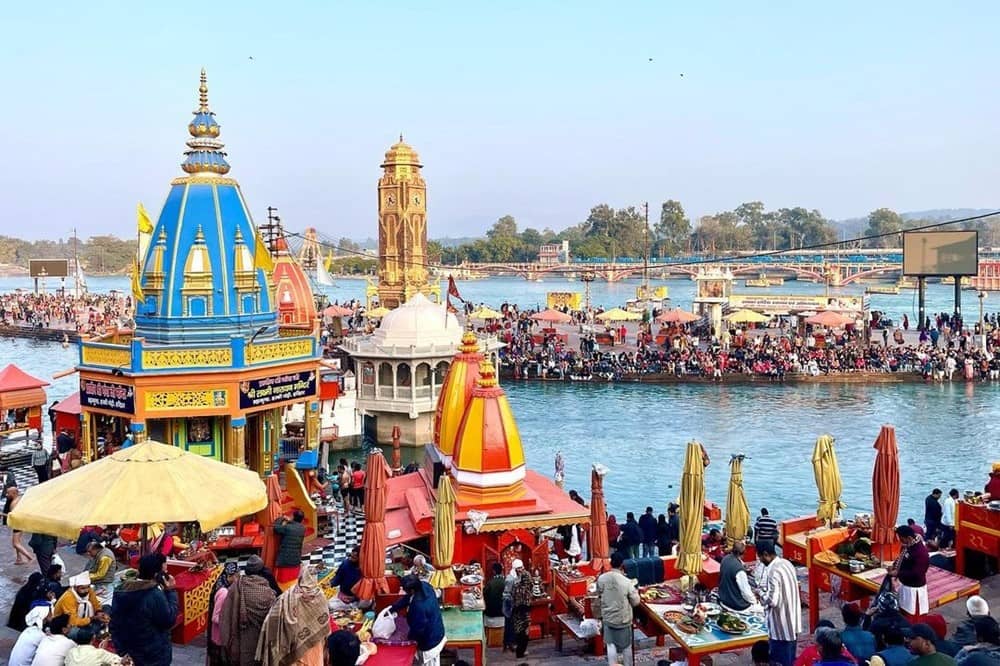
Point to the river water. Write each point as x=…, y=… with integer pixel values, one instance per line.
x=947, y=434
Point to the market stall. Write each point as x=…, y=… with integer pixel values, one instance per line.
x=702, y=629
x=67, y=417
x=21, y=400
x=977, y=530
x=464, y=631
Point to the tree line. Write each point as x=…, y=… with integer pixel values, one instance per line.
x=608, y=232
x=97, y=254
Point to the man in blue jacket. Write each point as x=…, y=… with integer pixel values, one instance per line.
x=424, y=617
x=143, y=612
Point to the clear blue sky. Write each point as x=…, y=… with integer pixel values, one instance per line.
x=536, y=109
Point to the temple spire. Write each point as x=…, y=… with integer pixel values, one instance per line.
x=203, y=92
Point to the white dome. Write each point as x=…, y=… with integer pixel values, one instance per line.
x=418, y=322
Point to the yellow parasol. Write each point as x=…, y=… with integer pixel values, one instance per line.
x=617, y=314
x=444, y=534
x=692, y=508
x=747, y=317
x=145, y=483
x=484, y=313
x=377, y=313
x=828, y=482
x=737, y=511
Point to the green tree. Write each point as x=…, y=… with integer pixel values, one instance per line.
x=673, y=231
x=505, y=227
x=883, y=221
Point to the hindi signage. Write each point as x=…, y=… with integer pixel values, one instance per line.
x=279, y=388
x=107, y=395
x=791, y=304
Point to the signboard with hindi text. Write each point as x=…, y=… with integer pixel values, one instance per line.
x=792, y=304
x=107, y=395
x=279, y=388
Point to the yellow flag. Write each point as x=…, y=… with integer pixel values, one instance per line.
x=137, y=293
x=142, y=217
x=261, y=256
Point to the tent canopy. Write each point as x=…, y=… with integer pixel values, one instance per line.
x=12, y=378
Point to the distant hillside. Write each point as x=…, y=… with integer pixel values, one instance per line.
x=855, y=226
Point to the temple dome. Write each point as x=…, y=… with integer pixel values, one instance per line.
x=293, y=294
x=200, y=280
x=462, y=378
x=401, y=153
x=418, y=322
x=488, y=462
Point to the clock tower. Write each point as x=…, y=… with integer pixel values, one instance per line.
x=402, y=228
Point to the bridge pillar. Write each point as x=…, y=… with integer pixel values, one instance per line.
x=834, y=276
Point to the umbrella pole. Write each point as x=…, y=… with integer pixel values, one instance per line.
x=143, y=538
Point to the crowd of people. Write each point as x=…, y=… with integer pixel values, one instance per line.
x=88, y=313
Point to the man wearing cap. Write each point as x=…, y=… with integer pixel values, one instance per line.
x=509, y=637
x=920, y=641
x=911, y=571
x=80, y=603
x=965, y=632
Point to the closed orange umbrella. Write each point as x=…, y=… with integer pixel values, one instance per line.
x=267, y=517
x=372, y=556
x=599, y=549
x=885, y=488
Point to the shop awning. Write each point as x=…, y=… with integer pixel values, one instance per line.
x=12, y=378
x=70, y=405
x=20, y=399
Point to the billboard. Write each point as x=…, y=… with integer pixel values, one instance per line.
x=38, y=268
x=940, y=253
x=558, y=299
x=791, y=303
x=267, y=390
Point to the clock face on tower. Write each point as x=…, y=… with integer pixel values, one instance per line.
x=390, y=200
x=416, y=199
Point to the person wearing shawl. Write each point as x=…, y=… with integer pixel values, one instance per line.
x=81, y=604
x=522, y=598
x=22, y=602
x=247, y=603
x=143, y=612
x=27, y=643
x=296, y=627
x=220, y=590
x=423, y=615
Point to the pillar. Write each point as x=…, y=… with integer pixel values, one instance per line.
x=86, y=445
x=238, y=441
x=312, y=425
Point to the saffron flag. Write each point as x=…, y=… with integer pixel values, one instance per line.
x=144, y=223
x=261, y=256
x=452, y=291
x=137, y=293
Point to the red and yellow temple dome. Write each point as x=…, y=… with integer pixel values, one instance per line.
x=296, y=304
x=488, y=461
x=462, y=378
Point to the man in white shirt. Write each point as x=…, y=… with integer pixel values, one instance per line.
x=24, y=649
x=948, y=508
x=53, y=647
x=782, y=604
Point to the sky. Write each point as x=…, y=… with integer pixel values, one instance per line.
x=538, y=109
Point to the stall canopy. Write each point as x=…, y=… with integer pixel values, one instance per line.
x=737, y=510
x=337, y=311
x=377, y=313
x=677, y=316
x=692, y=508
x=747, y=317
x=145, y=483
x=828, y=481
x=552, y=316
x=830, y=319
x=18, y=389
x=617, y=314
x=69, y=406
x=885, y=488
x=484, y=313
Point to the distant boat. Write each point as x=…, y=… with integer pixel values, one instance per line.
x=883, y=289
x=763, y=281
x=907, y=283
x=323, y=278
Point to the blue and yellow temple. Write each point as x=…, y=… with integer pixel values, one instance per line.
x=205, y=367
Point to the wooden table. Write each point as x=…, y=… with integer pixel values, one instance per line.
x=710, y=640
x=464, y=630
x=942, y=586
x=567, y=622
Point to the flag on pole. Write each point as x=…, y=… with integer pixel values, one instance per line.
x=262, y=256
x=452, y=291
x=137, y=292
x=143, y=222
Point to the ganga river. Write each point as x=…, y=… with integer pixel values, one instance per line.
x=947, y=434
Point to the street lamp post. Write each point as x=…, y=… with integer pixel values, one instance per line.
x=982, y=323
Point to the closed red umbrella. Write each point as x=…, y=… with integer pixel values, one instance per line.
x=885, y=490
x=599, y=550
x=267, y=518
x=372, y=556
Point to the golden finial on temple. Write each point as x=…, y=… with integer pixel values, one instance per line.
x=203, y=91
x=401, y=137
